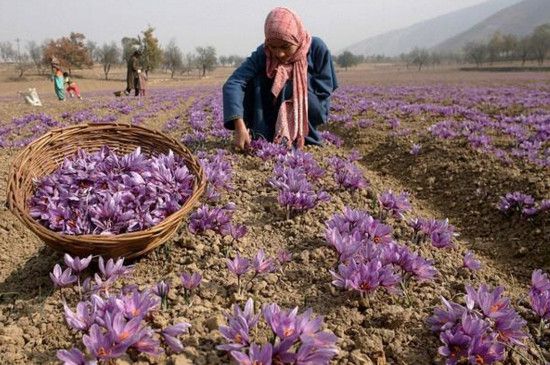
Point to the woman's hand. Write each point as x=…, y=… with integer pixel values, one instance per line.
x=241, y=137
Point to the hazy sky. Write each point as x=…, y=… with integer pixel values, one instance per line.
x=232, y=26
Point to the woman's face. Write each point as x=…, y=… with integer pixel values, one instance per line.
x=281, y=50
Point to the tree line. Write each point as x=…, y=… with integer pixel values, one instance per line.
x=499, y=48
x=76, y=52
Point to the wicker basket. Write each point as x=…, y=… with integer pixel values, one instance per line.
x=44, y=156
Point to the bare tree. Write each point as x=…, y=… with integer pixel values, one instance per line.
x=475, y=52
x=108, y=55
x=35, y=55
x=23, y=64
x=523, y=49
x=189, y=63
x=172, y=58
x=419, y=57
x=206, y=59
x=540, y=42
x=7, y=52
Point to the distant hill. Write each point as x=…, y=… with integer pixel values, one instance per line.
x=519, y=19
x=430, y=32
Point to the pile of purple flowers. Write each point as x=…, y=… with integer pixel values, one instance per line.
x=539, y=295
x=296, y=338
x=105, y=193
x=522, y=203
x=219, y=172
x=113, y=321
x=369, y=259
x=217, y=219
x=346, y=174
x=397, y=205
x=480, y=331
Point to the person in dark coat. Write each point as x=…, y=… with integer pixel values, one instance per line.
x=281, y=92
x=132, y=75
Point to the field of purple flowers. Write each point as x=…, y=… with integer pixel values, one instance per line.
x=418, y=234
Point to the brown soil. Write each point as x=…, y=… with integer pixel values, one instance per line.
x=447, y=180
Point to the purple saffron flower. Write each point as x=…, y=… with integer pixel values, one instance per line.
x=147, y=343
x=82, y=319
x=455, y=346
x=447, y=317
x=76, y=264
x=73, y=357
x=395, y=204
x=470, y=262
x=238, y=266
x=139, y=304
x=257, y=355
x=284, y=256
x=161, y=289
x=485, y=351
x=62, y=278
x=171, y=333
x=262, y=264
x=101, y=345
x=540, y=282
x=190, y=281
x=282, y=322
x=121, y=330
x=113, y=269
x=415, y=149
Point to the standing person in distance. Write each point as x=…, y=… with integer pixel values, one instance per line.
x=132, y=75
x=57, y=78
x=282, y=91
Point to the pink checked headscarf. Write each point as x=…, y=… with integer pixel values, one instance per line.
x=292, y=120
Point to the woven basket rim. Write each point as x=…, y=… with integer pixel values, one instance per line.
x=53, y=135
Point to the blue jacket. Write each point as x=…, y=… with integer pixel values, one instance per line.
x=247, y=93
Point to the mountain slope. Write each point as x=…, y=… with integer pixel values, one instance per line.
x=519, y=19
x=428, y=33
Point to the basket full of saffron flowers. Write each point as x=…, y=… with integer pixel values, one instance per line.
x=107, y=189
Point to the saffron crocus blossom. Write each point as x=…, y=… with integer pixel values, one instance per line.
x=261, y=264
x=347, y=174
x=171, y=333
x=217, y=219
x=161, y=289
x=82, y=319
x=73, y=357
x=101, y=345
x=62, y=278
x=121, y=330
x=113, y=269
x=284, y=256
x=191, y=281
x=138, y=304
x=238, y=266
x=539, y=294
x=415, y=149
x=296, y=193
x=480, y=331
x=77, y=264
x=439, y=231
x=397, y=205
x=516, y=201
x=260, y=355
x=470, y=262
x=297, y=337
